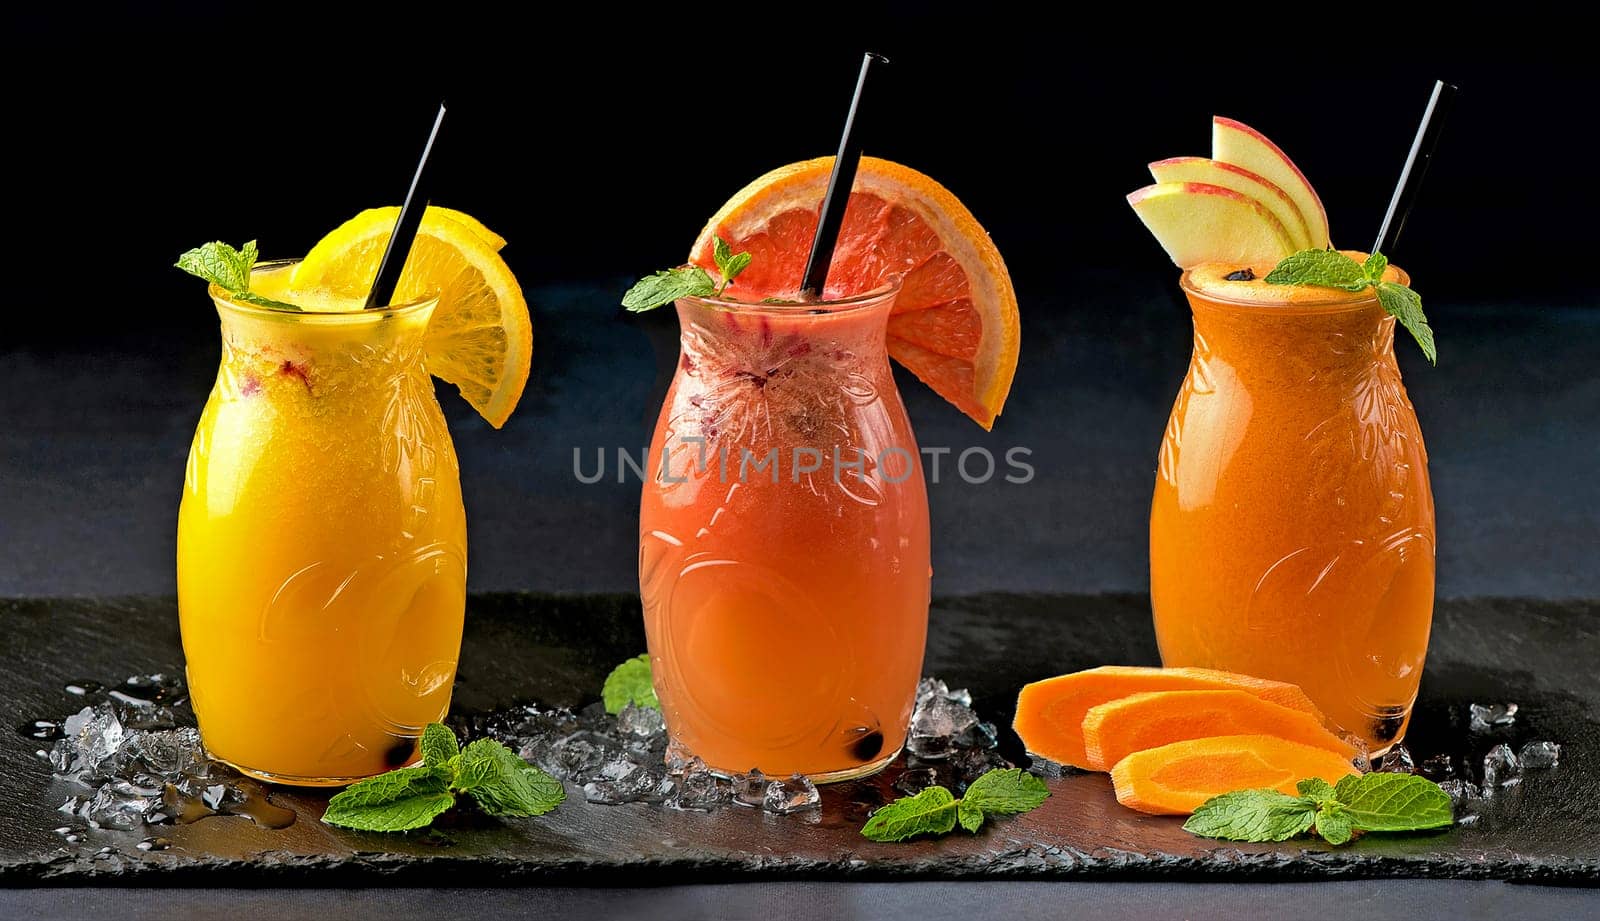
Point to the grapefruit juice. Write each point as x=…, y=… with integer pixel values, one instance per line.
x=783, y=560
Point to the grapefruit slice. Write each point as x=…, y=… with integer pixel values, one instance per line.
x=955, y=324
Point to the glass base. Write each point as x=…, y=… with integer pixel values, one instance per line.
x=855, y=772
x=294, y=780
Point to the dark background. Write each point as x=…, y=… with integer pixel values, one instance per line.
x=599, y=152
x=598, y=141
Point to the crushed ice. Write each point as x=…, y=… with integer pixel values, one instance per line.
x=623, y=758
x=137, y=755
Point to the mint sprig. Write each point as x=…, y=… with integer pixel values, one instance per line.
x=501, y=783
x=669, y=285
x=1359, y=803
x=1329, y=268
x=936, y=811
x=229, y=269
x=630, y=683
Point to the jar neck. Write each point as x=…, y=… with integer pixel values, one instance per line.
x=1295, y=346
x=324, y=352
x=760, y=341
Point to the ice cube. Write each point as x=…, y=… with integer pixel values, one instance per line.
x=1437, y=767
x=932, y=688
x=935, y=726
x=169, y=753
x=110, y=808
x=1540, y=755
x=915, y=780
x=1397, y=761
x=750, y=789
x=594, y=717
x=978, y=736
x=99, y=741
x=64, y=757
x=579, y=756
x=1487, y=717
x=1459, y=790
x=787, y=796
x=1044, y=767
x=698, y=789
x=640, y=722
x=1500, y=768
x=970, y=764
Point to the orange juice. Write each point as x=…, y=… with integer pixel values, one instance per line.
x=783, y=531
x=321, y=544
x=1292, y=529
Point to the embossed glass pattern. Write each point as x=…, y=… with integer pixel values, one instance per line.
x=783, y=558
x=321, y=545
x=1292, y=529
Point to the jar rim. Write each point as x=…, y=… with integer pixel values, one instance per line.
x=226, y=300
x=1337, y=301
x=855, y=302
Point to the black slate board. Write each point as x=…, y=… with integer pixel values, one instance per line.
x=557, y=649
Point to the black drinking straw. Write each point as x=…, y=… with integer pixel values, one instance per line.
x=838, y=196
x=1422, y=147
x=405, y=227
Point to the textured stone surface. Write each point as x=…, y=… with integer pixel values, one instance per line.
x=557, y=650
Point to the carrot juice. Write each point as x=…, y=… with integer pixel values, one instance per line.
x=783, y=560
x=321, y=544
x=1292, y=528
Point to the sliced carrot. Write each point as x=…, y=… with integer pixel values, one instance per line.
x=1118, y=728
x=1175, y=779
x=1050, y=712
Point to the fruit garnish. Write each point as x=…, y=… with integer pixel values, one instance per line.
x=1237, y=179
x=1249, y=203
x=229, y=269
x=1239, y=144
x=1195, y=222
x=1327, y=268
x=955, y=323
x=480, y=337
x=1358, y=803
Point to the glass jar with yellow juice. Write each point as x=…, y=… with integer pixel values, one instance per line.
x=322, y=541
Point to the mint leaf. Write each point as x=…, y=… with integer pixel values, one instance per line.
x=1005, y=791
x=221, y=264
x=397, y=801
x=1326, y=268
x=438, y=745
x=969, y=815
x=668, y=285
x=1317, y=790
x=630, y=681
x=229, y=269
x=728, y=264
x=503, y=784
x=1374, y=266
x=1394, y=802
x=1405, y=305
x=1332, y=269
x=1334, y=824
x=933, y=811
x=1252, y=815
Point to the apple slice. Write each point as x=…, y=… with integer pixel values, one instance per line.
x=1241, y=145
x=1241, y=180
x=1197, y=222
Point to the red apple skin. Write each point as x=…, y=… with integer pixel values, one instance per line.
x=1283, y=197
x=1267, y=218
x=1241, y=127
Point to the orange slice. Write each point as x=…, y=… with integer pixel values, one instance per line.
x=955, y=323
x=480, y=337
